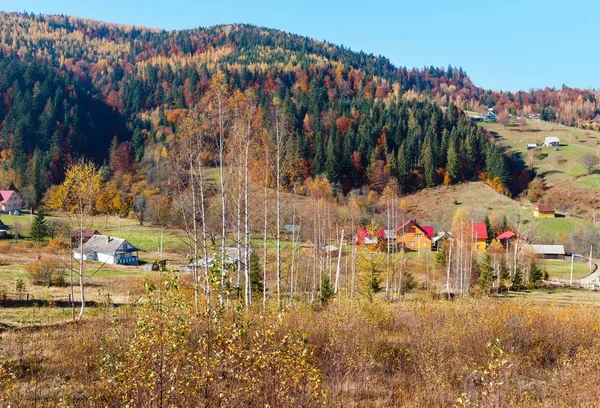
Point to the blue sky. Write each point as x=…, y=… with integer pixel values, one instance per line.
x=507, y=45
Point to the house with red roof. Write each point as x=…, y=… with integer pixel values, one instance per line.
x=480, y=236
x=10, y=201
x=413, y=236
x=505, y=238
x=545, y=211
x=370, y=240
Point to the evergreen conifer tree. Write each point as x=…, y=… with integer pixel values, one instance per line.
x=39, y=227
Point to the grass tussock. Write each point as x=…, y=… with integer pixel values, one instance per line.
x=473, y=352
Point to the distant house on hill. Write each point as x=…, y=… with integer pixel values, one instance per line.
x=10, y=201
x=552, y=141
x=413, y=236
x=480, y=236
x=108, y=250
x=549, y=251
x=542, y=210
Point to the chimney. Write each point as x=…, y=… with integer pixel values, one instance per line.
x=108, y=239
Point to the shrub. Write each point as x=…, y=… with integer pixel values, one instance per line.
x=57, y=244
x=4, y=247
x=45, y=271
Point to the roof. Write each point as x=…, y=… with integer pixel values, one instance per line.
x=308, y=244
x=5, y=195
x=4, y=227
x=479, y=230
x=440, y=235
x=551, y=139
x=549, y=249
x=105, y=245
x=389, y=234
x=506, y=235
x=330, y=248
x=544, y=208
x=428, y=230
x=291, y=228
x=86, y=232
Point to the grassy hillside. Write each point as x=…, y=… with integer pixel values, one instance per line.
x=554, y=165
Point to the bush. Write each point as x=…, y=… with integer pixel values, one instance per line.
x=57, y=244
x=46, y=272
x=4, y=247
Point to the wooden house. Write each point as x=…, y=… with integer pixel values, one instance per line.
x=549, y=251
x=505, y=238
x=308, y=248
x=544, y=211
x=480, y=236
x=108, y=250
x=552, y=141
x=10, y=201
x=414, y=237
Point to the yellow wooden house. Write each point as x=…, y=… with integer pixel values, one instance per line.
x=544, y=211
x=412, y=236
x=480, y=236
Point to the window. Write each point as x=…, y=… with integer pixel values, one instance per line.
x=418, y=235
x=424, y=244
x=411, y=243
x=403, y=235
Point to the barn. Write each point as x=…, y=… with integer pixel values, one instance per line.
x=549, y=251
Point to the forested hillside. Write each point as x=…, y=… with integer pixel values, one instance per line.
x=351, y=116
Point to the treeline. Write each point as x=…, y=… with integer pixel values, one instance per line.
x=48, y=120
x=351, y=116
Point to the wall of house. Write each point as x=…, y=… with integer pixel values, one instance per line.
x=109, y=259
x=543, y=214
x=411, y=239
x=479, y=245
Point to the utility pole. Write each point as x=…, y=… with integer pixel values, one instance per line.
x=572, y=260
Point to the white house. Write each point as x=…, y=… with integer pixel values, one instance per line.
x=10, y=201
x=552, y=141
x=108, y=250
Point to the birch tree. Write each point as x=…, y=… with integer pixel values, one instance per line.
x=189, y=167
x=81, y=188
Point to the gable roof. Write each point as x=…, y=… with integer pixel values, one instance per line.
x=427, y=230
x=86, y=233
x=4, y=227
x=105, y=245
x=505, y=235
x=549, y=249
x=5, y=195
x=479, y=230
x=307, y=244
x=544, y=208
x=551, y=139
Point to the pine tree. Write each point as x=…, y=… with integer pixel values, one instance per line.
x=452, y=163
x=487, y=276
x=256, y=282
x=428, y=165
x=326, y=290
x=39, y=228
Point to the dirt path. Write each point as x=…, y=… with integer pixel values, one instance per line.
x=593, y=276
